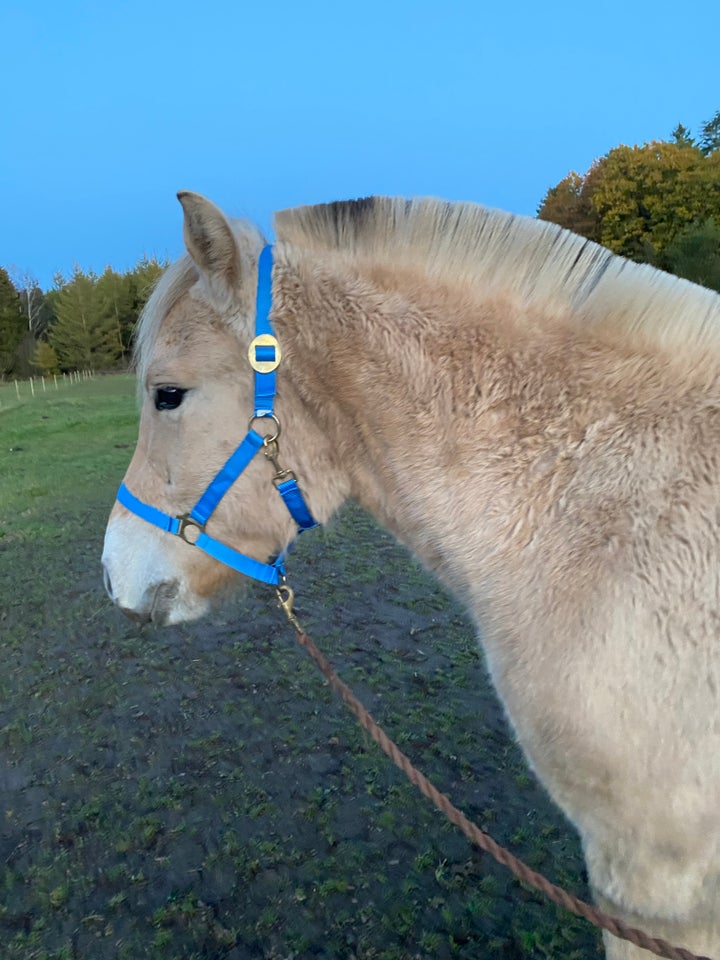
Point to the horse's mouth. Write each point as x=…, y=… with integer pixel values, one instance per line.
x=160, y=605
x=164, y=601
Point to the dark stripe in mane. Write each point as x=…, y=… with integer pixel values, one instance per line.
x=501, y=253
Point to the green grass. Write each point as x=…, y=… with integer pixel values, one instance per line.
x=62, y=446
x=198, y=792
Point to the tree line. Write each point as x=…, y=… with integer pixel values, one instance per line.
x=85, y=321
x=658, y=203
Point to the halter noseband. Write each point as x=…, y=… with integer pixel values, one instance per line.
x=264, y=355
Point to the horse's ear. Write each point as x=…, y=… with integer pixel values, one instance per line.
x=210, y=242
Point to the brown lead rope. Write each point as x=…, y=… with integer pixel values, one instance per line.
x=521, y=870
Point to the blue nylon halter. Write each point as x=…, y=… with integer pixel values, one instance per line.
x=190, y=526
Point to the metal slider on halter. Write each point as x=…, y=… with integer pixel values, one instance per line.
x=264, y=355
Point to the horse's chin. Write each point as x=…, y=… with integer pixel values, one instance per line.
x=172, y=605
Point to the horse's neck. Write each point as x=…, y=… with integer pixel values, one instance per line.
x=461, y=426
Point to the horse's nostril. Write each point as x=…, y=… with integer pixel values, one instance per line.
x=108, y=584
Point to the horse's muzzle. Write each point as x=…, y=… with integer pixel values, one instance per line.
x=155, y=606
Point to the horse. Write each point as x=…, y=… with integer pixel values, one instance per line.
x=536, y=419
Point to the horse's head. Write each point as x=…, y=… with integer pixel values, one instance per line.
x=197, y=400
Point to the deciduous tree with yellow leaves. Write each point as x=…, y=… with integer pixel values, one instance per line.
x=659, y=202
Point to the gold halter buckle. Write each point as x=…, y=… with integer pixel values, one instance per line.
x=264, y=366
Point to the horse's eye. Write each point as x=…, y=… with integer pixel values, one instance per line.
x=169, y=398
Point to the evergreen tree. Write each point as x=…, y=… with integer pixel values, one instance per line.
x=142, y=279
x=694, y=253
x=84, y=335
x=12, y=323
x=116, y=297
x=710, y=134
x=681, y=135
x=145, y=275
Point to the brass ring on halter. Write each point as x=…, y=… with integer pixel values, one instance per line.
x=189, y=529
x=268, y=438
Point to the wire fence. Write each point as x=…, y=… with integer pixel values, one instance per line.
x=13, y=392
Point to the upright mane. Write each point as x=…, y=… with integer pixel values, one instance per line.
x=538, y=261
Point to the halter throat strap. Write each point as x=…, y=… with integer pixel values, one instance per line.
x=264, y=356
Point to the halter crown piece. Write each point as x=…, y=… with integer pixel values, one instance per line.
x=264, y=355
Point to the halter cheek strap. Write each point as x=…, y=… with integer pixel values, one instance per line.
x=264, y=355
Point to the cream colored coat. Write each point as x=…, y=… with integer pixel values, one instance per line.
x=539, y=421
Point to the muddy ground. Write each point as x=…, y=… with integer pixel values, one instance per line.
x=199, y=792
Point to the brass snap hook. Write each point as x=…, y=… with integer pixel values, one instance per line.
x=286, y=599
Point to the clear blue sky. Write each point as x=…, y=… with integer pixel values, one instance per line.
x=110, y=107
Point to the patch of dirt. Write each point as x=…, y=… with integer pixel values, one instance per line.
x=199, y=792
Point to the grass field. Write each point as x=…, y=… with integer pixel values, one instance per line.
x=197, y=792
